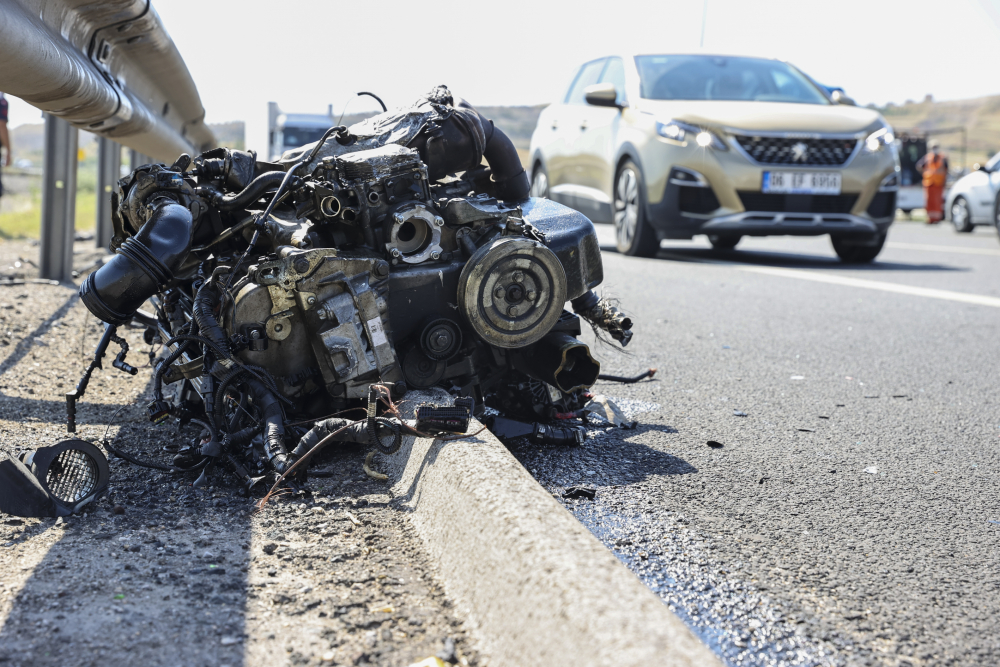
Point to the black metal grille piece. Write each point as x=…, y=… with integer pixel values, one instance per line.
x=799, y=152
x=72, y=476
x=770, y=203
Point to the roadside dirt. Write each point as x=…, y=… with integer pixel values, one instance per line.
x=160, y=573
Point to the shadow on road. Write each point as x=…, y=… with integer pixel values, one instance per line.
x=784, y=260
x=631, y=462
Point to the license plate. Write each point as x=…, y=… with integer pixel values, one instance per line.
x=801, y=182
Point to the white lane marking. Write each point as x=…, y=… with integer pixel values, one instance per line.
x=928, y=292
x=943, y=248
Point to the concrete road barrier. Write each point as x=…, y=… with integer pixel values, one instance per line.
x=535, y=585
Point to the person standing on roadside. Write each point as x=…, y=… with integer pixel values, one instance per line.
x=934, y=167
x=4, y=136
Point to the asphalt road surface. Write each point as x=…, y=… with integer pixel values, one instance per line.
x=848, y=511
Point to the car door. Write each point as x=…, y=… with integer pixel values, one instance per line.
x=564, y=171
x=982, y=190
x=595, y=148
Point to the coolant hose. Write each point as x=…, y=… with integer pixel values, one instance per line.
x=142, y=266
x=508, y=173
x=251, y=192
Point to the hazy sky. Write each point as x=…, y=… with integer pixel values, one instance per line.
x=307, y=54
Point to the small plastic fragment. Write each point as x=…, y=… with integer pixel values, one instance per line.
x=714, y=444
x=604, y=407
x=739, y=413
x=576, y=492
x=872, y=470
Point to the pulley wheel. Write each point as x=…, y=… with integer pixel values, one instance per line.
x=420, y=371
x=512, y=291
x=440, y=339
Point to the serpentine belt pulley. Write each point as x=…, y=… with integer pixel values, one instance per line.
x=512, y=291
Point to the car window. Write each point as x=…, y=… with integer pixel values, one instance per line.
x=588, y=76
x=688, y=77
x=615, y=73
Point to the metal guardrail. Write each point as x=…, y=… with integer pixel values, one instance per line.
x=108, y=67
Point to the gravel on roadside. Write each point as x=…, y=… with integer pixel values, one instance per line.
x=160, y=573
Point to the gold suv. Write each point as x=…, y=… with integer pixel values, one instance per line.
x=669, y=146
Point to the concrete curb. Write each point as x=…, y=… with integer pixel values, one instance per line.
x=535, y=585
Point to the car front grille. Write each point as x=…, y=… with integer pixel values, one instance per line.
x=798, y=152
x=770, y=203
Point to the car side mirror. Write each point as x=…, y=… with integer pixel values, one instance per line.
x=601, y=95
x=840, y=98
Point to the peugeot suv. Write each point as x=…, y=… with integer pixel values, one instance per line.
x=670, y=146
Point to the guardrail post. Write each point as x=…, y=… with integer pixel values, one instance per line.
x=137, y=159
x=58, y=200
x=109, y=160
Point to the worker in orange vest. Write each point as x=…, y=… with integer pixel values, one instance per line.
x=934, y=166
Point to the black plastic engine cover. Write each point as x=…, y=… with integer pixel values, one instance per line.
x=571, y=236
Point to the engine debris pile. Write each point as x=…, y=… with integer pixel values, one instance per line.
x=297, y=300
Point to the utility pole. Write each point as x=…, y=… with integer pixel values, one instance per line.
x=704, y=18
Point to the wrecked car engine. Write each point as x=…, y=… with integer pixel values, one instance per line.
x=385, y=257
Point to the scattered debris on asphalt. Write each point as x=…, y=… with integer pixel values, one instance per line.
x=739, y=413
x=714, y=444
x=577, y=492
x=628, y=380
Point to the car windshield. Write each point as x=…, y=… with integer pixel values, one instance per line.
x=300, y=136
x=724, y=78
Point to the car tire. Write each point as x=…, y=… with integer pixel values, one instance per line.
x=996, y=214
x=539, y=182
x=854, y=250
x=961, y=216
x=633, y=235
x=724, y=241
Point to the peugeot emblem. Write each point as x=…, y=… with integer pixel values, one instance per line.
x=799, y=152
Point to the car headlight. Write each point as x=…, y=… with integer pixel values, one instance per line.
x=878, y=140
x=679, y=131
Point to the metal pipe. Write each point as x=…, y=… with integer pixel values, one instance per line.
x=108, y=67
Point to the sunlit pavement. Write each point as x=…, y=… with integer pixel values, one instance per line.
x=851, y=517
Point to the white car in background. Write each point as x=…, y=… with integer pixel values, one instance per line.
x=972, y=200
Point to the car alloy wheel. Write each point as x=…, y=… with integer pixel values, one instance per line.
x=539, y=182
x=633, y=235
x=626, y=207
x=961, y=217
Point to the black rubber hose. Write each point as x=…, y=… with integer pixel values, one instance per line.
x=274, y=424
x=208, y=297
x=143, y=265
x=251, y=192
x=356, y=432
x=508, y=173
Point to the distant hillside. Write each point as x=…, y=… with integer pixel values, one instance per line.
x=29, y=139
x=980, y=117
x=230, y=135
